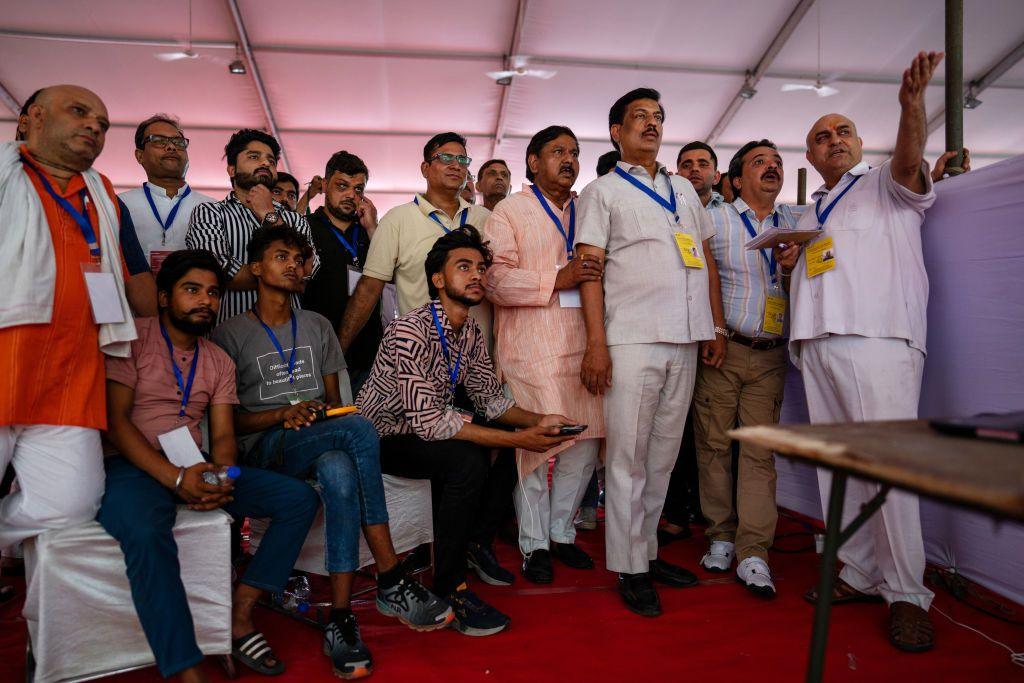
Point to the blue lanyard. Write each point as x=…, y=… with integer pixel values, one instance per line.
x=185, y=387
x=753, y=233
x=174, y=210
x=570, y=237
x=277, y=344
x=453, y=373
x=669, y=205
x=82, y=219
x=462, y=221
x=823, y=216
x=350, y=248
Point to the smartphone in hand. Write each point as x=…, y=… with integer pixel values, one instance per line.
x=571, y=430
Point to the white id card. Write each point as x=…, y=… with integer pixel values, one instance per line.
x=180, y=448
x=353, y=278
x=103, y=296
x=569, y=298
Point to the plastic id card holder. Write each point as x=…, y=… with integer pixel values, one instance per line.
x=103, y=296
x=821, y=257
x=688, y=250
x=353, y=278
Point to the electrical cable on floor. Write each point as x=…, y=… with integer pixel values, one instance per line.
x=1016, y=658
x=960, y=588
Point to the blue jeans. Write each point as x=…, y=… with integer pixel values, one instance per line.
x=344, y=455
x=139, y=513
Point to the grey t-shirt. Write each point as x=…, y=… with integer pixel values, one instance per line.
x=261, y=374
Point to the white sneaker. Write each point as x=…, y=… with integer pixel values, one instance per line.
x=754, y=573
x=719, y=557
x=587, y=519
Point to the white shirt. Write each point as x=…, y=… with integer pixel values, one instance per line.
x=879, y=286
x=649, y=295
x=147, y=227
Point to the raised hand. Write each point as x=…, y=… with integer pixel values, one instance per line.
x=916, y=78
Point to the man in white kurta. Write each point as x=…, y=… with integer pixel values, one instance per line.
x=859, y=297
x=534, y=286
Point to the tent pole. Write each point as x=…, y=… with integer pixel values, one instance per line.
x=955, y=84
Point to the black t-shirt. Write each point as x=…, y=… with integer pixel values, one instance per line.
x=327, y=292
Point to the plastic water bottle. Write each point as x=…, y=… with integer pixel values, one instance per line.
x=221, y=477
x=295, y=597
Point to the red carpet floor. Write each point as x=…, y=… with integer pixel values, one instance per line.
x=577, y=630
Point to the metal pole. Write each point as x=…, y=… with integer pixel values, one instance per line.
x=833, y=526
x=955, y=84
x=801, y=186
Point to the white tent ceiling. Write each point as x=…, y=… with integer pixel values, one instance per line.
x=378, y=77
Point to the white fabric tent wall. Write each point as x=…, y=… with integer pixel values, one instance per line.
x=974, y=253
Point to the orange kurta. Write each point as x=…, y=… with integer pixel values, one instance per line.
x=538, y=345
x=53, y=374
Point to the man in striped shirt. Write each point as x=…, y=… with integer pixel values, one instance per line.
x=225, y=227
x=746, y=388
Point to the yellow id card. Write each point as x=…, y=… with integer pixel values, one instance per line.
x=821, y=257
x=689, y=251
x=774, y=314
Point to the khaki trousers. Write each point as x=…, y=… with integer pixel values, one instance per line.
x=745, y=391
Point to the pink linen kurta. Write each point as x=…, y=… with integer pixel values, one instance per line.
x=538, y=344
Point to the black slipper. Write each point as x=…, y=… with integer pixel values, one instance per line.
x=254, y=651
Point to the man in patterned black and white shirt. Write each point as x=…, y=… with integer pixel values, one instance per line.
x=225, y=227
x=430, y=389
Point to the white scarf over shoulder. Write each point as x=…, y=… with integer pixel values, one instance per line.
x=28, y=267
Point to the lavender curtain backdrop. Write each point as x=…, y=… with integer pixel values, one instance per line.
x=974, y=252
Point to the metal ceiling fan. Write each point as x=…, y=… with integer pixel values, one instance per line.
x=188, y=52
x=518, y=66
x=820, y=86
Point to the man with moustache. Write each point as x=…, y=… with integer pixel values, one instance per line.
x=148, y=397
x=858, y=332
x=747, y=388
x=225, y=227
x=534, y=286
x=161, y=208
x=286, y=190
x=698, y=163
x=493, y=182
x=659, y=298
x=60, y=221
x=341, y=231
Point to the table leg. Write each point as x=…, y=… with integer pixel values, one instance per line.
x=833, y=525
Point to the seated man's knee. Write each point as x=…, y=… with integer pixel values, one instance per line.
x=335, y=470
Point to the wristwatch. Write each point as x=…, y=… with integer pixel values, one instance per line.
x=272, y=218
x=722, y=331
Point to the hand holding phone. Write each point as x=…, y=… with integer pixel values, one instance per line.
x=571, y=430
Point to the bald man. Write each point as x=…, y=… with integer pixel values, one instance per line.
x=858, y=297
x=52, y=384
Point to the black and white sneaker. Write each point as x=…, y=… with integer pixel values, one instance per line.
x=481, y=558
x=414, y=605
x=473, y=616
x=349, y=655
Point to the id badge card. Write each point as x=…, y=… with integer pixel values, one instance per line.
x=353, y=278
x=103, y=297
x=180, y=448
x=294, y=399
x=466, y=416
x=774, y=314
x=570, y=298
x=688, y=250
x=821, y=257
x=157, y=258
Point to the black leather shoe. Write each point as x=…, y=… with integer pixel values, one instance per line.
x=666, y=537
x=571, y=555
x=671, y=575
x=638, y=593
x=537, y=567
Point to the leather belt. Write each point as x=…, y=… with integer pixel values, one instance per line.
x=758, y=343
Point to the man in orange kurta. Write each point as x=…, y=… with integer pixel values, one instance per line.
x=539, y=345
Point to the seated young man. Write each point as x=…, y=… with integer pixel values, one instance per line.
x=171, y=380
x=287, y=366
x=410, y=396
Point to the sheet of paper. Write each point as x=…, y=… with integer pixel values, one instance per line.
x=180, y=448
x=570, y=298
x=772, y=237
x=106, y=303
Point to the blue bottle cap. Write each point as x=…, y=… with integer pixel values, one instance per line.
x=233, y=472
x=302, y=607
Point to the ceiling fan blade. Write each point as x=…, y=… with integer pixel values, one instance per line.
x=498, y=75
x=540, y=73
x=792, y=87
x=826, y=91
x=170, y=56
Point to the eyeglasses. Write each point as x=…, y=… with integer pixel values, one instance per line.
x=446, y=158
x=179, y=141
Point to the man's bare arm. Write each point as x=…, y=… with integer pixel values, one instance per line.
x=359, y=308
x=913, y=130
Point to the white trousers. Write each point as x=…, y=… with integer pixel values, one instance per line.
x=645, y=411
x=60, y=479
x=545, y=514
x=857, y=379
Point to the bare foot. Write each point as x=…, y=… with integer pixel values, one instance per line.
x=192, y=675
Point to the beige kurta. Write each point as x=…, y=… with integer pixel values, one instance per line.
x=538, y=345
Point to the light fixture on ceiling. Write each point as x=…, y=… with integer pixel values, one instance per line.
x=970, y=100
x=237, y=67
x=747, y=92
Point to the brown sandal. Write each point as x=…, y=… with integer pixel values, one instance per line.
x=842, y=594
x=910, y=628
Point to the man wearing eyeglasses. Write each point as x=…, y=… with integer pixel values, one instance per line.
x=161, y=207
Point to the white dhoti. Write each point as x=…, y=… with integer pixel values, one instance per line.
x=857, y=379
x=645, y=411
